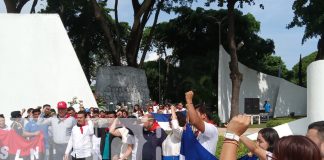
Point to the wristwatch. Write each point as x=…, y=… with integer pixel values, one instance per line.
x=231, y=136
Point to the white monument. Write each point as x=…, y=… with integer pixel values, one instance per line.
x=38, y=64
x=285, y=97
x=315, y=101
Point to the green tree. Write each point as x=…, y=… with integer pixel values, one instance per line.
x=193, y=35
x=100, y=39
x=235, y=74
x=142, y=12
x=273, y=64
x=78, y=19
x=310, y=13
x=85, y=33
x=155, y=78
x=305, y=62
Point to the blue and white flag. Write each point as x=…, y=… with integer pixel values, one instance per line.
x=191, y=149
x=164, y=119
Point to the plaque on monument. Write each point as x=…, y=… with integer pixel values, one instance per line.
x=121, y=84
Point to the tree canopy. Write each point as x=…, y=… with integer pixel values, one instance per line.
x=84, y=31
x=100, y=39
x=194, y=32
x=310, y=13
x=305, y=62
x=235, y=75
x=193, y=38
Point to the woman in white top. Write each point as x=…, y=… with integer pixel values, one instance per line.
x=121, y=132
x=171, y=145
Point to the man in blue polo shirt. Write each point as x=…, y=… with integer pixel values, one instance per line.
x=33, y=127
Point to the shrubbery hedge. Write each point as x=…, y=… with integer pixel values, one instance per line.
x=282, y=120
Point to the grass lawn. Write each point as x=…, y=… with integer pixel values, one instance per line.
x=281, y=120
x=242, y=150
x=261, y=125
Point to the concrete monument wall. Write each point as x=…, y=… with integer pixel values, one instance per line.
x=315, y=101
x=283, y=96
x=121, y=84
x=38, y=64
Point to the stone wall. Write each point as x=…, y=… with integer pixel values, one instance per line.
x=121, y=84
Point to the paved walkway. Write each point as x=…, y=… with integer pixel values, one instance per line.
x=249, y=131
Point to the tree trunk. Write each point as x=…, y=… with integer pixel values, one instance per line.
x=86, y=62
x=300, y=77
x=21, y=4
x=16, y=7
x=10, y=6
x=167, y=61
x=107, y=32
x=140, y=18
x=119, y=47
x=150, y=37
x=32, y=10
x=320, y=48
x=235, y=75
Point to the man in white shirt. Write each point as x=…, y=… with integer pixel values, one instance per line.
x=180, y=107
x=80, y=139
x=208, y=133
x=155, y=107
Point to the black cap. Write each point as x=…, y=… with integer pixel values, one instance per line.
x=15, y=114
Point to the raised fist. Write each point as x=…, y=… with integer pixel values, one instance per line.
x=189, y=96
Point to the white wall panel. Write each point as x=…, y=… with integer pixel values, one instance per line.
x=38, y=64
x=292, y=98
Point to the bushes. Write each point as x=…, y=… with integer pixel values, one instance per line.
x=216, y=119
x=278, y=121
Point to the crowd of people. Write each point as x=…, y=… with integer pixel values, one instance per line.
x=119, y=135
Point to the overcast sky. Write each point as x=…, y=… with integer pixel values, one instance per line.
x=274, y=18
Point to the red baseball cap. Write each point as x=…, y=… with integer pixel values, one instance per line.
x=61, y=105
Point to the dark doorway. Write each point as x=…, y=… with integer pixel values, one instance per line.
x=251, y=106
